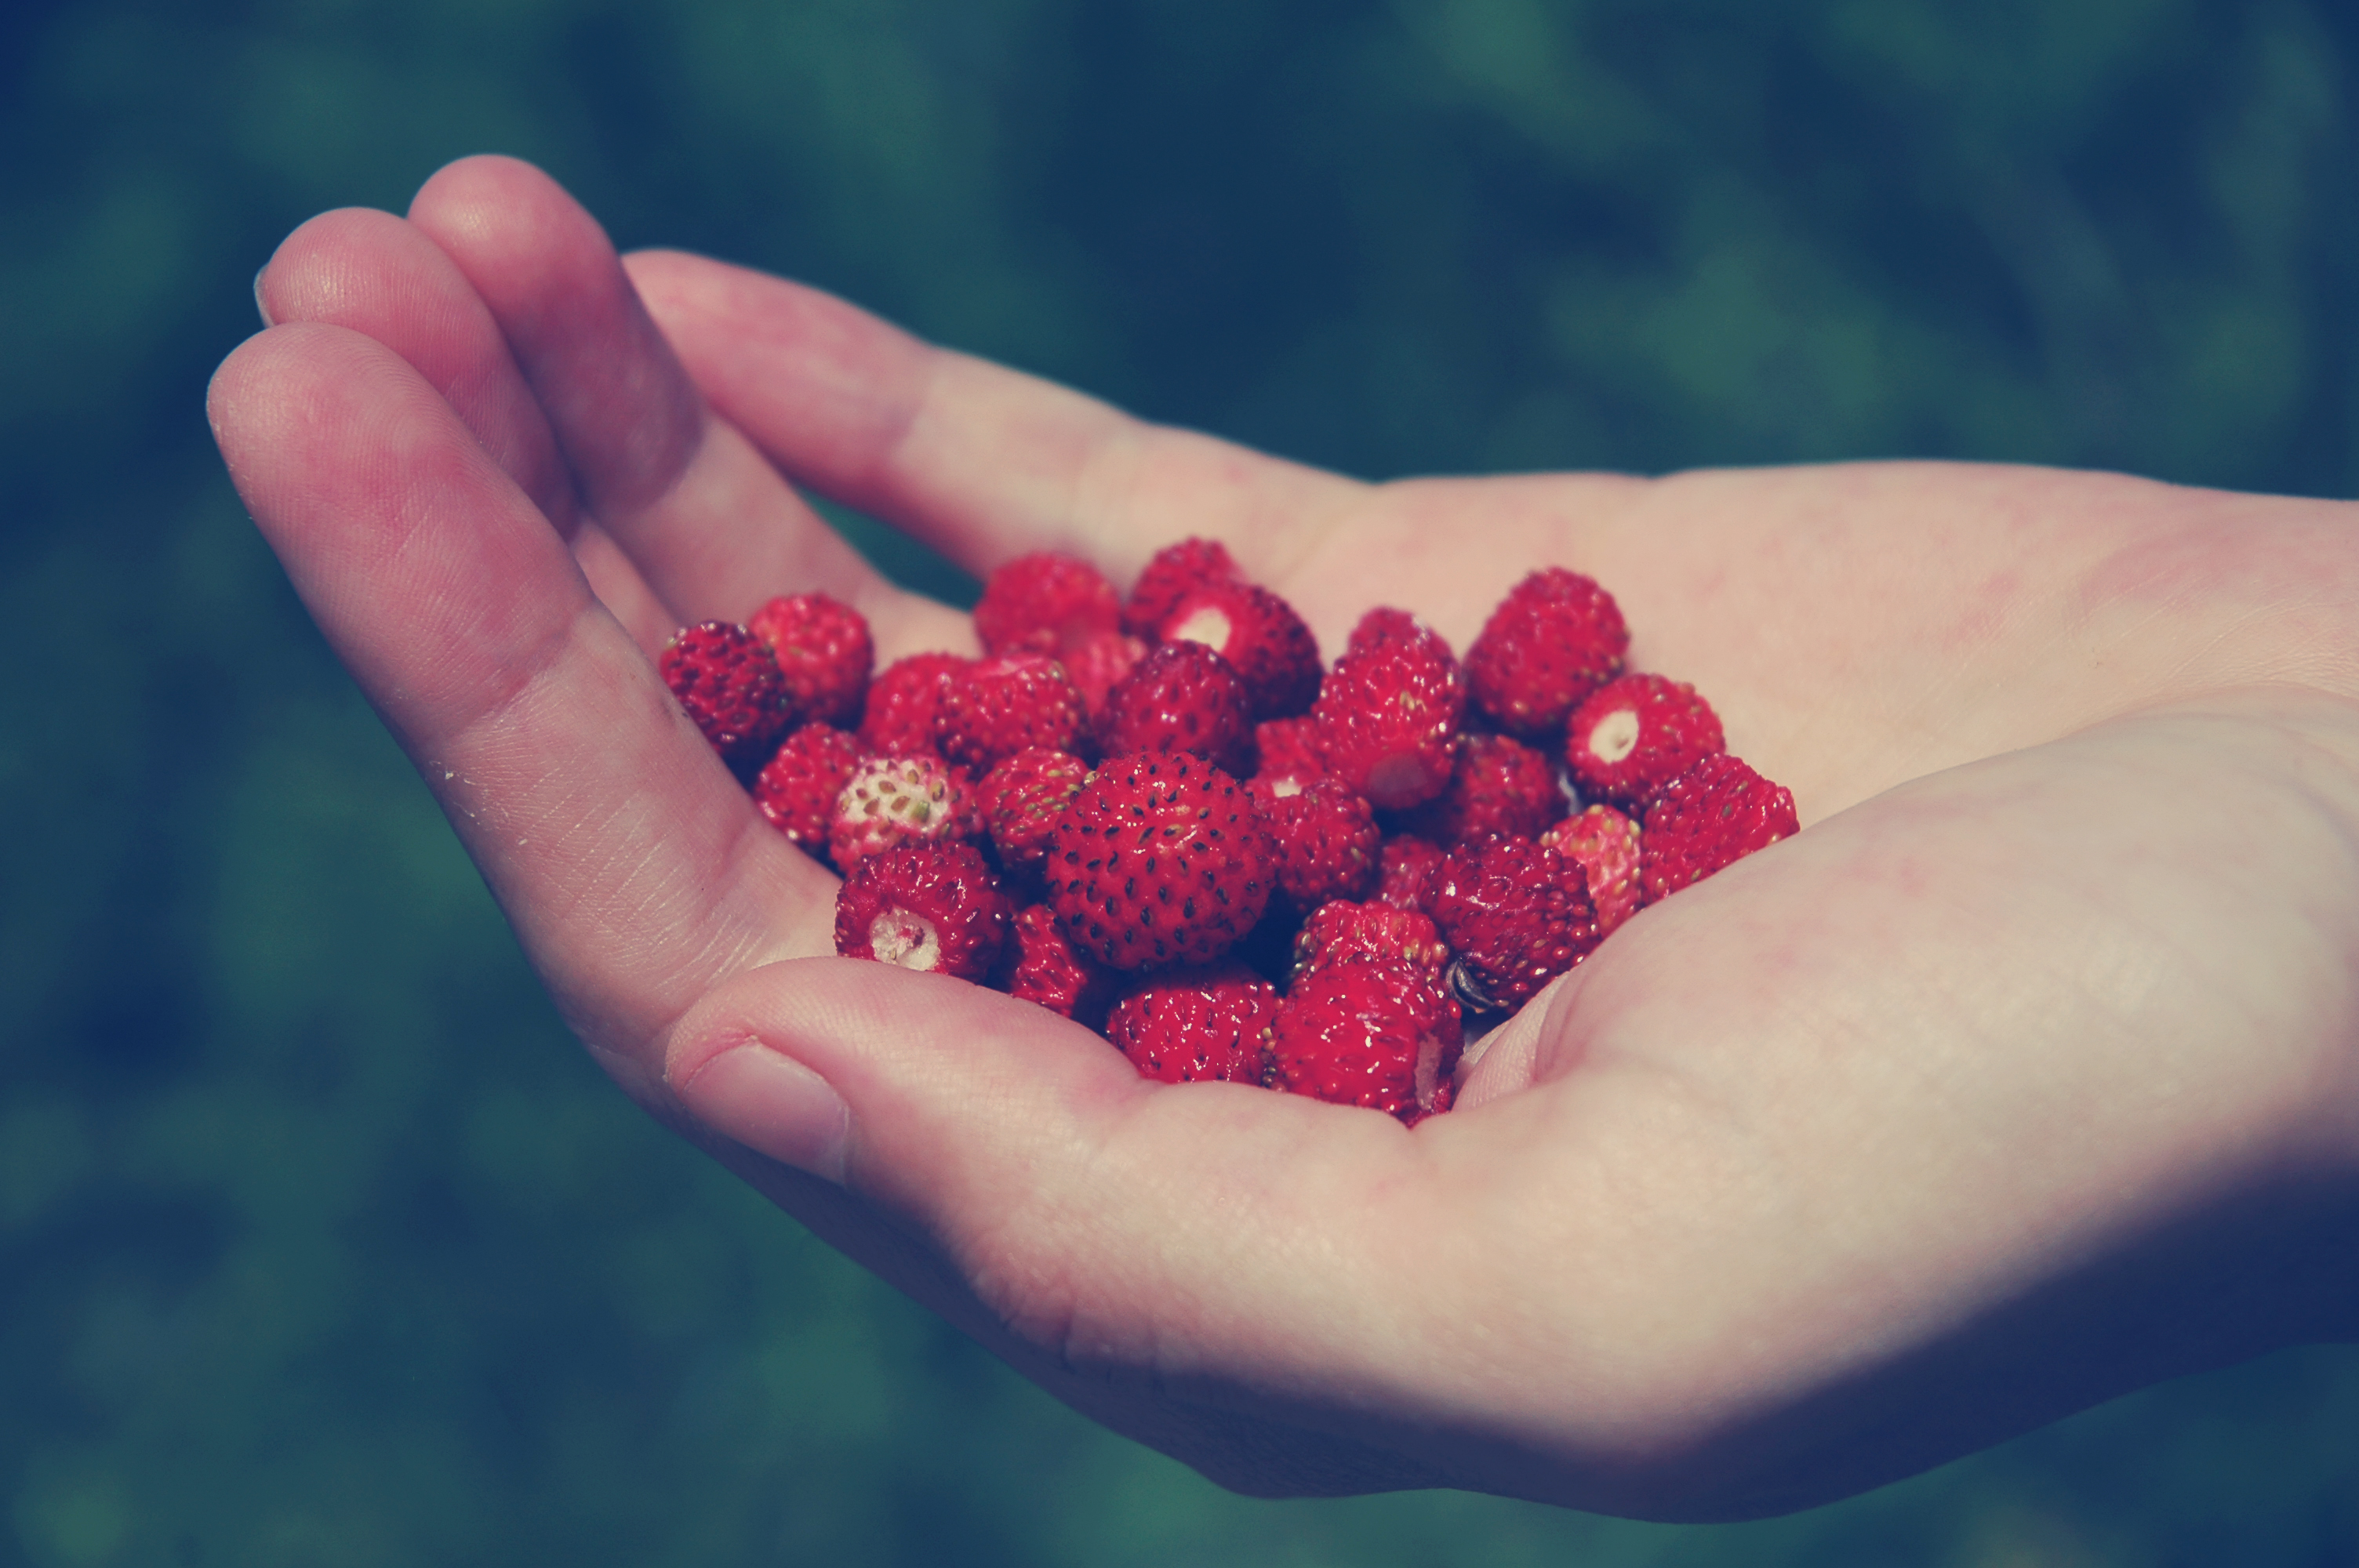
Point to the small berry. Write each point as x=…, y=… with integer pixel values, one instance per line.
x=1707, y=818
x=797, y=789
x=1045, y=603
x=1383, y=624
x=1040, y=966
x=1408, y=866
x=904, y=701
x=923, y=906
x=824, y=653
x=1098, y=665
x=1516, y=915
x=1022, y=798
x=1287, y=750
x=1174, y=572
x=1198, y=1024
x=1552, y=640
x=1161, y=859
x=1387, y=717
x=997, y=706
x=1604, y=844
x=1635, y=734
x=1369, y=1031
x=895, y=800
x=1260, y=635
x=1328, y=842
x=1497, y=784
x=1341, y=928
x=730, y=686
x=1181, y=697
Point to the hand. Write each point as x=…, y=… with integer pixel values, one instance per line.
x=2027, y=1073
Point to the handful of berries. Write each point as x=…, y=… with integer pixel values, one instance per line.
x=1160, y=816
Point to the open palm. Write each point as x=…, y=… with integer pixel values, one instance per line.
x=2026, y=1073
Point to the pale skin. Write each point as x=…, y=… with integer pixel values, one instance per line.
x=2025, y=1076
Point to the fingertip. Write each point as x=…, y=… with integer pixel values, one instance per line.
x=769, y=1102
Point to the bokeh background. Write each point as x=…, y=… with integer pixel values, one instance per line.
x=320, y=1244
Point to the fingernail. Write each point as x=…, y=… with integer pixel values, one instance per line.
x=773, y=1104
x=260, y=308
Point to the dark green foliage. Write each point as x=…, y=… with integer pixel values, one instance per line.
x=320, y=1244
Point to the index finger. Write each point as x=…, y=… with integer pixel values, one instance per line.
x=981, y=463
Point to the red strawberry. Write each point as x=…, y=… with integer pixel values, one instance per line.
x=1710, y=816
x=1367, y=1031
x=1497, y=784
x=1386, y=716
x=923, y=906
x=730, y=686
x=1552, y=640
x=1327, y=841
x=1098, y=665
x=1045, y=603
x=798, y=786
x=894, y=800
x=1040, y=966
x=1288, y=750
x=1636, y=733
x=824, y=653
x=903, y=702
x=1022, y=798
x=1186, y=1026
x=1161, y=859
x=1516, y=915
x=1260, y=635
x=1170, y=575
x=1383, y=624
x=995, y=708
x=1181, y=697
x=1604, y=844
x=1409, y=864
x=1338, y=929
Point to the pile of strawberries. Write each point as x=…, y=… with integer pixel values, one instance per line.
x=1162, y=816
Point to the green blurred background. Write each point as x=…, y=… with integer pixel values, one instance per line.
x=318, y=1241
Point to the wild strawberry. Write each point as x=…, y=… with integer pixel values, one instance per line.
x=730, y=686
x=896, y=800
x=923, y=906
x=1552, y=640
x=1604, y=844
x=1338, y=929
x=1383, y=624
x=1386, y=716
x=797, y=789
x=1516, y=915
x=1161, y=859
x=1181, y=697
x=1287, y=751
x=1045, y=603
x=1708, y=817
x=1371, y=1032
x=904, y=701
x=1022, y=798
x=1328, y=842
x=1174, y=571
x=1497, y=784
x=1098, y=665
x=1187, y=1026
x=1634, y=734
x=997, y=706
x=1260, y=635
x=824, y=653
x=1408, y=866
x=1040, y=966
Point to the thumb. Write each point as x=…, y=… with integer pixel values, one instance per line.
x=1214, y=1269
